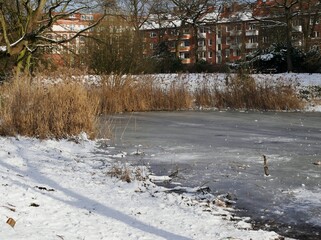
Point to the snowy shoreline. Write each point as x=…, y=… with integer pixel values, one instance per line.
x=63, y=190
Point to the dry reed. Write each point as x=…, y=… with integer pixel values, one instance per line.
x=67, y=107
x=128, y=93
x=243, y=92
x=59, y=110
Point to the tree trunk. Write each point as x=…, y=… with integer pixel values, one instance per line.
x=288, y=40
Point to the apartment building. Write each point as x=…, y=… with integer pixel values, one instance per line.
x=223, y=35
x=67, y=28
x=235, y=31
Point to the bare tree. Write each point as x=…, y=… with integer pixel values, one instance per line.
x=24, y=25
x=294, y=16
x=192, y=14
x=136, y=12
x=309, y=18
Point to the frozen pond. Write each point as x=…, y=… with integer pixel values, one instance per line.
x=223, y=150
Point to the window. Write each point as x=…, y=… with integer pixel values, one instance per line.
x=317, y=21
x=201, y=43
x=210, y=42
x=219, y=47
x=184, y=43
x=202, y=30
x=82, y=39
x=202, y=55
x=253, y=39
x=152, y=34
x=252, y=26
x=87, y=17
x=210, y=54
x=265, y=39
x=183, y=55
x=315, y=34
x=227, y=53
x=219, y=59
x=185, y=31
x=219, y=34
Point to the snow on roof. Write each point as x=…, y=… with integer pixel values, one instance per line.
x=172, y=21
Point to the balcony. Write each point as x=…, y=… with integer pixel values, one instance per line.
x=186, y=61
x=297, y=28
x=201, y=48
x=236, y=33
x=236, y=46
x=201, y=35
x=184, y=48
x=186, y=36
x=251, y=45
x=252, y=32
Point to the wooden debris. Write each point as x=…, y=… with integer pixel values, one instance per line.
x=265, y=166
x=12, y=209
x=34, y=205
x=45, y=189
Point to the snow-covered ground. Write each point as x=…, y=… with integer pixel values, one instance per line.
x=64, y=190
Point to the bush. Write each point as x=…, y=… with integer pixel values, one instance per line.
x=312, y=61
x=273, y=60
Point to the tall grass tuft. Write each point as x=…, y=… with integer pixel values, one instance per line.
x=54, y=110
x=128, y=93
x=241, y=91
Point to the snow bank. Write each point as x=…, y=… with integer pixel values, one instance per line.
x=62, y=190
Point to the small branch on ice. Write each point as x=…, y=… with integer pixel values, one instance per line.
x=265, y=166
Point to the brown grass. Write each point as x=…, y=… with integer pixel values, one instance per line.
x=125, y=94
x=68, y=107
x=59, y=110
x=243, y=92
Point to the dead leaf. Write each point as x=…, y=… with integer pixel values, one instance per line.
x=11, y=222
